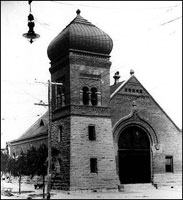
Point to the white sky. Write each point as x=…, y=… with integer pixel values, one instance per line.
x=147, y=38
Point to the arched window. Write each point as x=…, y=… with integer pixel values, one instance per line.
x=59, y=95
x=94, y=99
x=85, y=95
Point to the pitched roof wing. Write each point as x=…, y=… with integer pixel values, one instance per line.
x=35, y=129
x=114, y=87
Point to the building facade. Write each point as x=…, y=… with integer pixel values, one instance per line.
x=105, y=135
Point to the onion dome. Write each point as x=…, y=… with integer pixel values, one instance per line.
x=80, y=35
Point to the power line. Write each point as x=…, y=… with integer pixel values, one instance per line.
x=45, y=25
x=18, y=82
x=171, y=21
x=19, y=118
x=38, y=115
x=45, y=83
x=70, y=4
x=116, y=8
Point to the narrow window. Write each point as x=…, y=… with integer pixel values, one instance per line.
x=60, y=134
x=63, y=97
x=125, y=89
x=94, y=99
x=41, y=123
x=93, y=165
x=133, y=90
x=140, y=91
x=58, y=92
x=169, y=164
x=129, y=90
x=54, y=97
x=137, y=91
x=85, y=95
x=91, y=132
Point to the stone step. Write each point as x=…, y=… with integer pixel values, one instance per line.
x=138, y=186
x=168, y=179
x=169, y=183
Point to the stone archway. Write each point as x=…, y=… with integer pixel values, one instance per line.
x=135, y=119
x=134, y=156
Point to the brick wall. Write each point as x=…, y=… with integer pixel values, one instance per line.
x=61, y=180
x=82, y=149
x=170, y=138
x=76, y=151
x=89, y=71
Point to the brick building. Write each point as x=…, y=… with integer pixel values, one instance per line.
x=105, y=135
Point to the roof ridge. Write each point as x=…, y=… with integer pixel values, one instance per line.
x=79, y=20
x=119, y=88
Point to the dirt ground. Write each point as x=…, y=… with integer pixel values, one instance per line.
x=149, y=193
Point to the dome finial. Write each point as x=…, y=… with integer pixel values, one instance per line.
x=78, y=11
x=132, y=72
x=116, y=78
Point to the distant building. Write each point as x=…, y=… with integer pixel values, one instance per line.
x=106, y=135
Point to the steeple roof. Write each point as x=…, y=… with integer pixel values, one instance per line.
x=80, y=35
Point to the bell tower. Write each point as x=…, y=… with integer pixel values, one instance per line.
x=81, y=121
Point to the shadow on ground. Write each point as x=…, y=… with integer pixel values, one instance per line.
x=22, y=192
x=35, y=195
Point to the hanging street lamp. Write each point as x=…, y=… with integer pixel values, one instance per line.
x=31, y=35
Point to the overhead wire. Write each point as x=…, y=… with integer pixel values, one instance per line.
x=170, y=21
x=72, y=89
x=17, y=82
x=23, y=92
x=117, y=8
x=45, y=25
x=132, y=99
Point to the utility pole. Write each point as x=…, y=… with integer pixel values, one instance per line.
x=49, y=139
x=49, y=131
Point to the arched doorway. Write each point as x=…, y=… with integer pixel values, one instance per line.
x=134, y=156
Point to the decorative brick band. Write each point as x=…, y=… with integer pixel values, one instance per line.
x=93, y=111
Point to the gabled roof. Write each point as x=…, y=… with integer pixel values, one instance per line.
x=114, y=87
x=118, y=87
x=122, y=85
x=38, y=128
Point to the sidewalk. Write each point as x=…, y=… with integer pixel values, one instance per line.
x=29, y=191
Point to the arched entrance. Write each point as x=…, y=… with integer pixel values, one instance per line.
x=134, y=155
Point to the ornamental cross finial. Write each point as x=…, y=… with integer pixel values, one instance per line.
x=78, y=11
x=134, y=105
